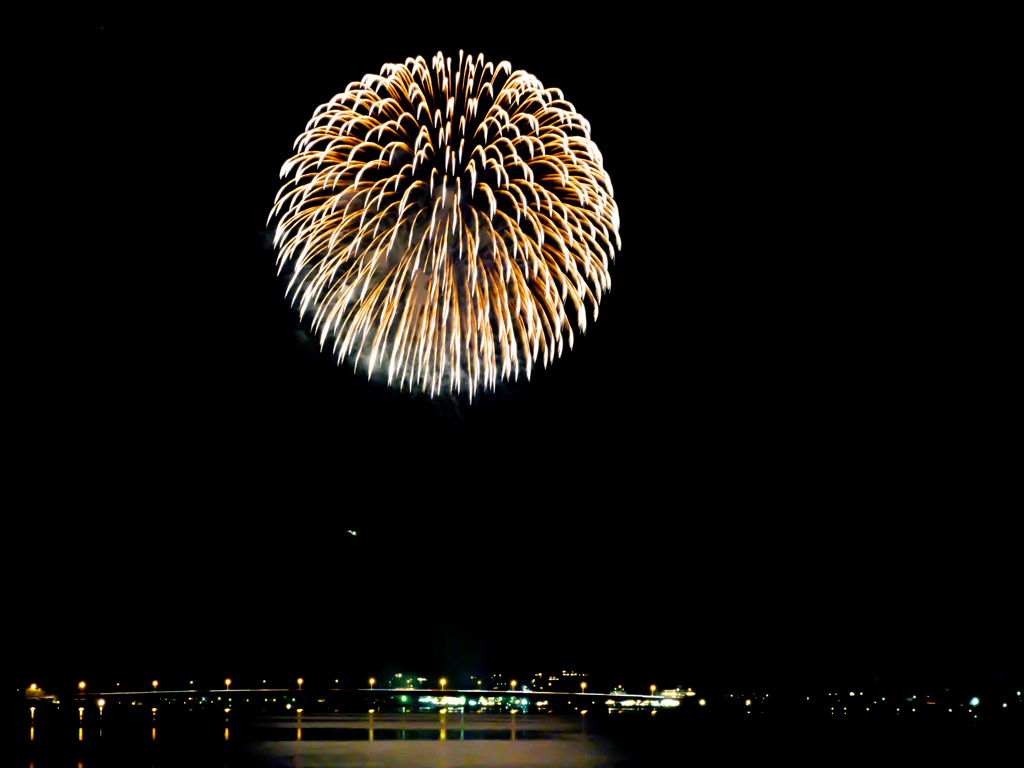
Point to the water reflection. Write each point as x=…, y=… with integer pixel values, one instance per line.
x=333, y=732
x=32, y=733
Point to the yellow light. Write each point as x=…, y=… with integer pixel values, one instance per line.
x=32, y=687
x=101, y=703
x=154, y=683
x=81, y=686
x=300, y=682
x=748, y=703
x=701, y=702
x=652, y=689
x=443, y=681
x=372, y=681
x=227, y=683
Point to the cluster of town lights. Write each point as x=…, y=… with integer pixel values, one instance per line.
x=667, y=699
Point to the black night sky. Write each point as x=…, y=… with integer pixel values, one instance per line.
x=750, y=470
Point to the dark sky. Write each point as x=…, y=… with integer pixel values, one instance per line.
x=748, y=468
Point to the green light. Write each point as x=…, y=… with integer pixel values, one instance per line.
x=403, y=698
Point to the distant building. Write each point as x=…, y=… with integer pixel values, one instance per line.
x=407, y=681
x=675, y=693
x=560, y=680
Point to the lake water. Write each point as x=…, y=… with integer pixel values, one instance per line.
x=137, y=737
x=452, y=739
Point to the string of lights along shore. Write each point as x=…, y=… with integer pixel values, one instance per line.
x=444, y=221
x=496, y=693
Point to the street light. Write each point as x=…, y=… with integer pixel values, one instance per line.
x=300, y=683
x=154, y=685
x=652, y=690
x=512, y=685
x=584, y=687
x=372, y=681
x=227, y=683
x=81, y=686
x=443, y=681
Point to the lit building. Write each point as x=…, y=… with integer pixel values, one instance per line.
x=561, y=680
x=675, y=693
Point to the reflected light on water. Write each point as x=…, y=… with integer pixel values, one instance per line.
x=154, y=734
x=32, y=733
x=225, y=734
x=298, y=734
x=79, y=733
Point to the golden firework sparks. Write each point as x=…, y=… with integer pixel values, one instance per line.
x=439, y=219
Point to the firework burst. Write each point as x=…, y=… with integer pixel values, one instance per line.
x=442, y=220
